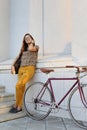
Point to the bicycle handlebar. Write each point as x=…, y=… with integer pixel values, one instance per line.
x=79, y=69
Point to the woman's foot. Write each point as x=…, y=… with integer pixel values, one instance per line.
x=18, y=110
x=15, y=109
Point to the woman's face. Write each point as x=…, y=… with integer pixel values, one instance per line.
x=28, y=39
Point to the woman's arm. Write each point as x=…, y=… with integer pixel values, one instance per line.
x=12, y=66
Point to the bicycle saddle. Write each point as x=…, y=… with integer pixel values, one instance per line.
x=44, y=70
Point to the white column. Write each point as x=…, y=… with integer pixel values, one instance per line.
x=19, y=24
x=57, y=27
x=79, y=20
x=4, y=28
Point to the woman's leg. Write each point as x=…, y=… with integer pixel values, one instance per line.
x=25, y=74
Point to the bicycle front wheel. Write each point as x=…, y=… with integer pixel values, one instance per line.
x=37, y=101
x=77, y=110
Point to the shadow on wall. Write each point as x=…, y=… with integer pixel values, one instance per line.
x=67, y=50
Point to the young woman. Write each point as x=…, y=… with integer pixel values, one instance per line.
x=28, y=54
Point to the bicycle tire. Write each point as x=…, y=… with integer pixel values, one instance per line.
x=34, y=110
x=77, y=109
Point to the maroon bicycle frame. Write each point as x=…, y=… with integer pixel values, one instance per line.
x=77, y=82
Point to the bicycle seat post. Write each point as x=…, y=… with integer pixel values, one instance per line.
x=48, y=75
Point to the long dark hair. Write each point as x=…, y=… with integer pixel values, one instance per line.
x=24, y=44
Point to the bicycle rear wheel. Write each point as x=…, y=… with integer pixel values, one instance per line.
x=77, y=110
x=37, y=102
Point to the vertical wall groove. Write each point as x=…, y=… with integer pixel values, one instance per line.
x=43, y=25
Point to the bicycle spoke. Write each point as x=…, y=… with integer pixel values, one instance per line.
x=77, y=109
x=37, y=108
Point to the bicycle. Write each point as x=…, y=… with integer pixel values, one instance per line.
x=39, y=98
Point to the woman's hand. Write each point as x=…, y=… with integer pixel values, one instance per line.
x=33, y=48
x=12, y=69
